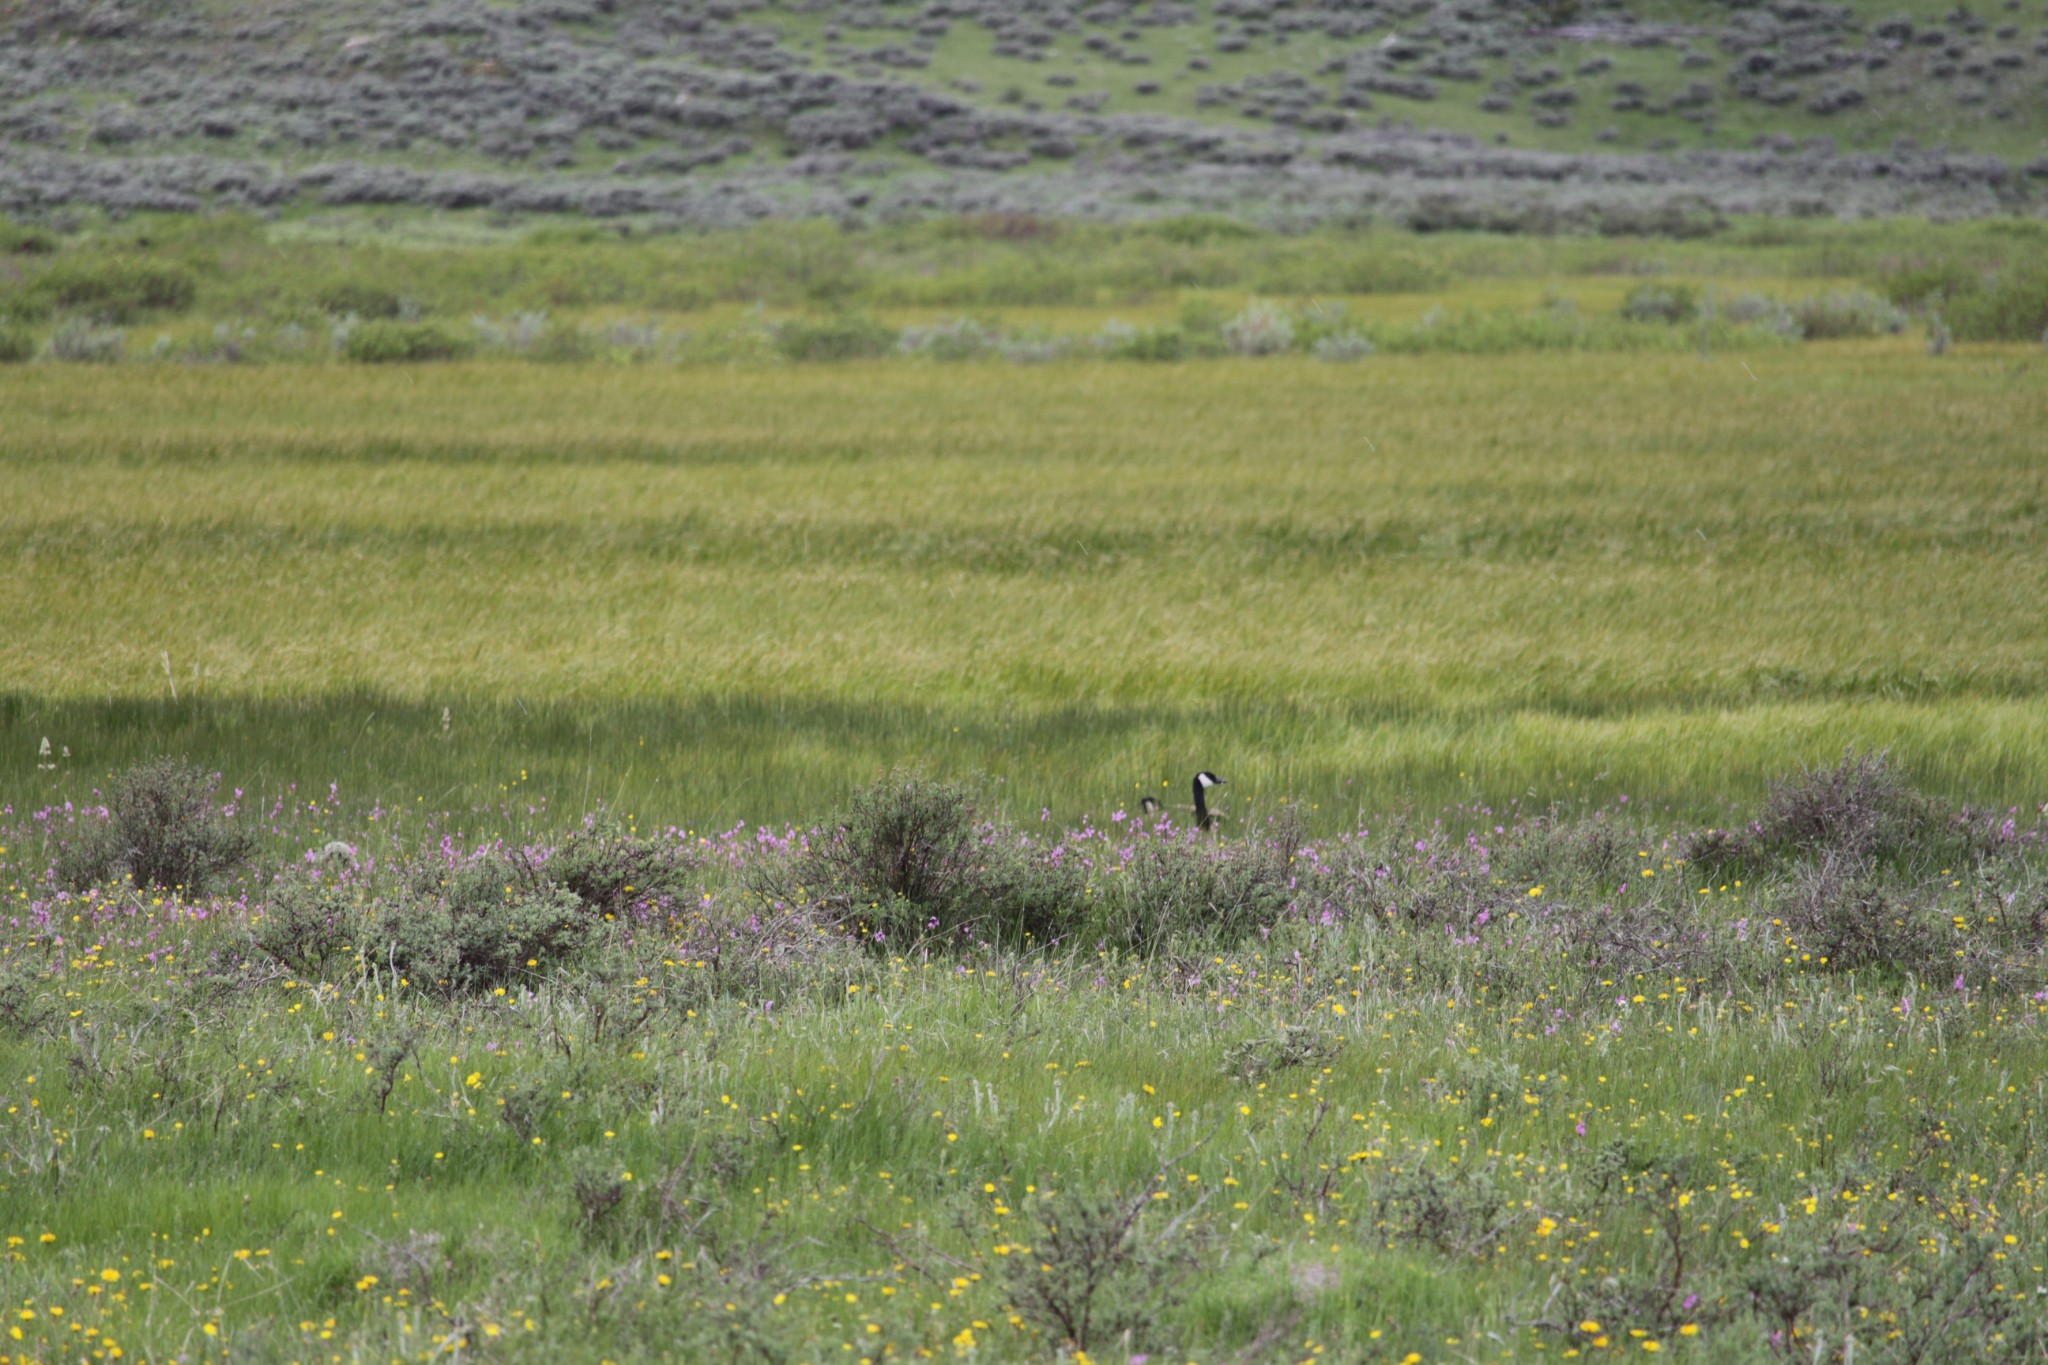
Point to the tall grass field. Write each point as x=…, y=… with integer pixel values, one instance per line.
x=675, y=886
x=736, y=593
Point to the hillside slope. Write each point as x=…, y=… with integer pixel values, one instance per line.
x=1628, y=115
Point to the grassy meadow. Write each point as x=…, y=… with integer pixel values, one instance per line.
x=736, y=593
x=568, y=967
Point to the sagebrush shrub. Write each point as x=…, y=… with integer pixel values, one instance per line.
x=486, y=923
x=1594, y=855
x=81, y=342
x=911, y=862
x=613, y=871
x=897, y=863
x=17, y=239
x=960, y=339
x=306, y=923
x=17, y=344
x=163, y=830
x=1861, y=808
x=564, y=343
x=1121, y=341
x=1761, y=310
x=1192, y=889
x=1838, y=913
x=1259, y=330
x=1841, y=314
x=26, y=1003
x=1660, y=303
x=1093, y=1276
x=388, y=343
x=1341, y=347
x=1459, y=1213
x=1291, y=1045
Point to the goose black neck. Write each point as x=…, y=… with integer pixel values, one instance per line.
x=1201, y=807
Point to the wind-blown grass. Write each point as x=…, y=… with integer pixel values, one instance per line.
x=747, y=589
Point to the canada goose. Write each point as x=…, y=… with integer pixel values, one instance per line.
x=1203, y=781
x=1149, y=807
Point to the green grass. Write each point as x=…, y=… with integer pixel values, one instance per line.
x=1423, y=578
x=481, y=599
x=844, y=1154
x=453, y=266
x=1904, y=99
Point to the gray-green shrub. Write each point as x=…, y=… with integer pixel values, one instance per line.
x=485, y=923
x=162, y=829
x=82, y=342
x=1259, y=330
x=1840, y=314
x=1661, y=303
x=306, y=922
x=910, y=862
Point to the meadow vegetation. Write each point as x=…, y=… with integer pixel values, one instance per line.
x=698, y=591
x=919, y=1083
x=237, y=290
x=637, y=856
x=1542, y=115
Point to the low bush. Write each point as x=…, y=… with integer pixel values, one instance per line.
x=1859, y=812
x=489, y=922
x=370, y=302
x=614, y=872
x=82, y=342
x=1339, y=347
x=1349, y=269
x=1861, y=808
x=1290, y=1045
x=163, y=830
x=1199, y=229
x=1661, y=303
x=2012, y=307
x=1121, y=341
x=1918, y=285
x=27, y=1003
x=1259, y=330
x=960, y=339
x=1761, y=310
x=1591, y=856
x=1191, y=890
x=1462, y=1212
x=306, y=923
x=895, y=867
x=842, y=336
x=117, y=289
x=17, y=344
x=1836, y=912
x=1837, y=315
x=1096, y=1273
x=391, y=343
x=910, y=863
